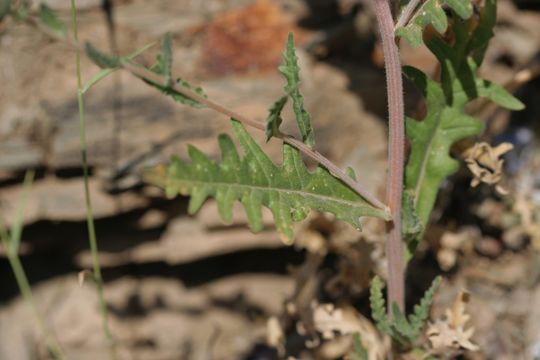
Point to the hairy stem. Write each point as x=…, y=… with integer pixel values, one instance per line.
x=396, y=148
x=88, y=201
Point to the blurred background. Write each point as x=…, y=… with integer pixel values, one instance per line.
x=188, y=287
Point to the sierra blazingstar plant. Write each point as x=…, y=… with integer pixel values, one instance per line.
x=457, y=32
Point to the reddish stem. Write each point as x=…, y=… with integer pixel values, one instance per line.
x=396, y=148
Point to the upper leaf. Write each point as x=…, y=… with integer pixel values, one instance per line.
x=290, y=191
x=163, y=67
x=291, y=71
x=431, y=12
x=446, y=121
x=49, y=19
x=101, y=59
x=274, y=120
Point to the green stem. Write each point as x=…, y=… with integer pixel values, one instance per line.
x=26, y=291
x=88, y=202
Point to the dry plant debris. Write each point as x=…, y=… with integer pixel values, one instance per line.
x=454, y=243
x=486, y=165
x=449, y=337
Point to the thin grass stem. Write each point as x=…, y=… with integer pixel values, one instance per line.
x=97, y=277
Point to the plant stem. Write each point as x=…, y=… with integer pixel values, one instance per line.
x=26, y=291
x=396, y=148
x=306, y=150
x=406, y=14
x=89, y=213
x=11, y=241
x=148, y=75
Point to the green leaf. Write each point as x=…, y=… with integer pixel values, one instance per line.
x=291, y=71
x=421, y=311
x=290, y=191
x=5, y=7
x=411, y=224
x=431, y=12
x=106, y=72
x=274, y=120
x=430, y=162
x=446, y=121
x=178, y=97
x=400, y=323
x=378, y=307
x=358, y=351
x=103, y=60
x=49, y=19
x=166, y=53
x=163, y=67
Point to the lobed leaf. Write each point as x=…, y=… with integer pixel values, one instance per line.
x=446, y=121
x=400, y=324
x=358, y=351
x=274, y=120
x=378, y=307
x=49, y=19
x=421, y=311
x=163, y=67
x=291, y=71
x=290, y=191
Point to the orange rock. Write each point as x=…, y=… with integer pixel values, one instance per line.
x=250, y=39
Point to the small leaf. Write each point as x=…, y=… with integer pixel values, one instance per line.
x=378, y=307
x=274, y=120
x=358, y=351
x=290, y=191
x=49, y=19
x=104, y=61
x=421, y=311
x=106, y=72
x=181, y=98
x=163, y=67
x=350, y=173
x=291, y=71
x=401, y=324
x=498, y=95
x=166, y=54
x=410, y=222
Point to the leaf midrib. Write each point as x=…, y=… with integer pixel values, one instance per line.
x=284, y=190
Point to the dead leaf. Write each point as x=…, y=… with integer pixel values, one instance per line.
x=449, y=337
x=486, y=165
x=329, y=321
x=334, y=323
